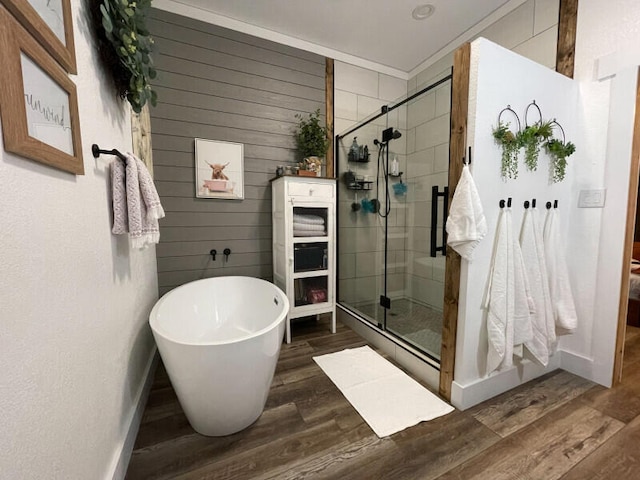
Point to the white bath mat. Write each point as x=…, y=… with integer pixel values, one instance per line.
x=388, y=399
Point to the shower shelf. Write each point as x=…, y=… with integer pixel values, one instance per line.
x=361, y=185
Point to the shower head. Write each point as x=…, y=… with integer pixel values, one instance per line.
x=390, y=134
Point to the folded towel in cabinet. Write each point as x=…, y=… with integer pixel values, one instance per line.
x=308, y=227
x=308, y=219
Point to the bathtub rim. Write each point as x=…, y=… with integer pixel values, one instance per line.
x=279, y=319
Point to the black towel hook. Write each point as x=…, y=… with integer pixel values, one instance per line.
x=548, y=205
x=501, y=203
x=96, y=151
x=533, y=203
x=509, y=202
x=526, y=204
x=555, y=204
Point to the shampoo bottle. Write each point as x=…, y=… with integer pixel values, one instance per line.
x=395, y=167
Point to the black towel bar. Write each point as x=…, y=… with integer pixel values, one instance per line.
x=96, y=151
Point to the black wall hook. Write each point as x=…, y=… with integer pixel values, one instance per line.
x=548, y=205
x=501, y=203
x=533, y=203
x=509, y=202
x=526, y=204
x=213, y=253
x=555, y=204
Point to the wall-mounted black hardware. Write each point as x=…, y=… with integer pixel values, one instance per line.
x=96, y=151
x=385, y=302
x=508, y=204
x=213, y=254
x=526, y=204
x=555, y=204
x=434, y=220
x=533, y=203
x=226, y=252
x=548, y=205
x=467, y=160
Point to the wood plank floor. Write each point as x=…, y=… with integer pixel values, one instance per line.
x=558, y=426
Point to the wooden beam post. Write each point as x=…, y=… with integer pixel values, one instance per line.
x=567, y=26
x=457, y=150
x=330, y=168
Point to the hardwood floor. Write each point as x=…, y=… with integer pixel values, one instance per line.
x=556, y=427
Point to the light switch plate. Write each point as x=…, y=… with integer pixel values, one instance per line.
x=592, y=198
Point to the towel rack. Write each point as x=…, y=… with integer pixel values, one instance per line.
x=96, y=151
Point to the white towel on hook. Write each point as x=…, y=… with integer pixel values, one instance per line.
x=136, y=204
x=533, y=258
x=499, y=309
x=466, y=224
x=508, y=300
x=564, y=309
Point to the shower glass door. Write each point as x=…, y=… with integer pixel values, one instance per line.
x=391, y=262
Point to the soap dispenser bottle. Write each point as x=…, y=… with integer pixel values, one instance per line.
x=354, y=151
x=395, y=168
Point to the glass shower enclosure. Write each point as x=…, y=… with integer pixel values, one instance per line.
x=392, y=173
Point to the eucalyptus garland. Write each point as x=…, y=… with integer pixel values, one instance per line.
x=559, y=151
x=123, y=22
x=510, y=144
x=532, y=138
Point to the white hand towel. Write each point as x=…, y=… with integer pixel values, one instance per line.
x=466, y=224
x=564, y=309
x=136, y=204
x=524, y=306
x=308, y=227
x=551, y=324
x=538, y=346
x=499, y=305
x=309, y=219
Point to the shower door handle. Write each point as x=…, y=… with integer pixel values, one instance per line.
x=435, y=194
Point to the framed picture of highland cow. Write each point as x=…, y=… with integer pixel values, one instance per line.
x=219, y=169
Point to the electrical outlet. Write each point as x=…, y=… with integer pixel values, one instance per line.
x=592, y=198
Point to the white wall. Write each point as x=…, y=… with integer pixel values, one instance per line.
x=499, y=77
x=74, y=300
x=604, y=28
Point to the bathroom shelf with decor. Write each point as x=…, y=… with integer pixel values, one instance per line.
x=303, y=211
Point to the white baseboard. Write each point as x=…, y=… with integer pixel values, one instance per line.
x=582, y=367
x=121, y=460
x=466, y=396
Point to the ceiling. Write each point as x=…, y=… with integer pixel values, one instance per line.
x=382, y=32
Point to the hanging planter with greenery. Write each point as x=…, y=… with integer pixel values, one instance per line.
x=510, y=144
x=126, y=48
x=533, y=137
x=559, y=150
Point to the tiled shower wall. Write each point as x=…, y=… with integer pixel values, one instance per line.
x=360, y=93
x=530, y=30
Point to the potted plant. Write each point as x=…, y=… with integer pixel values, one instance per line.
x=510, y=144
x=312, y=142
x=559, y=150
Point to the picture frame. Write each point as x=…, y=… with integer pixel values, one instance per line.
x=39, y=102
x=50, y=22
x=219, y=169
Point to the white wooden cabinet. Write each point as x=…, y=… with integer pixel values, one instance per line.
x=304, y=228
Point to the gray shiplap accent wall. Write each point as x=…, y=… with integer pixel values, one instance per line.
x=219, y=84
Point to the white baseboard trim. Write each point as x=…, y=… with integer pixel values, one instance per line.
x=466, y=396
x=121, y=460
x=580, y=366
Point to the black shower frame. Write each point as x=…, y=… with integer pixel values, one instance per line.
x=384, y=110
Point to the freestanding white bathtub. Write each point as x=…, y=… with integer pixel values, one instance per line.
x=219, y=339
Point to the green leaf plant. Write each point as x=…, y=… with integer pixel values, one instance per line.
x=510, y=144
x=311, y=136
x=558, y=151
x=532, y=138
x=124, y=28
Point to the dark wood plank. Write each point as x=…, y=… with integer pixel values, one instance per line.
x=544, y=450
x=457, y=150
x=567, y=26
x=617, y=459
x=509, y=412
